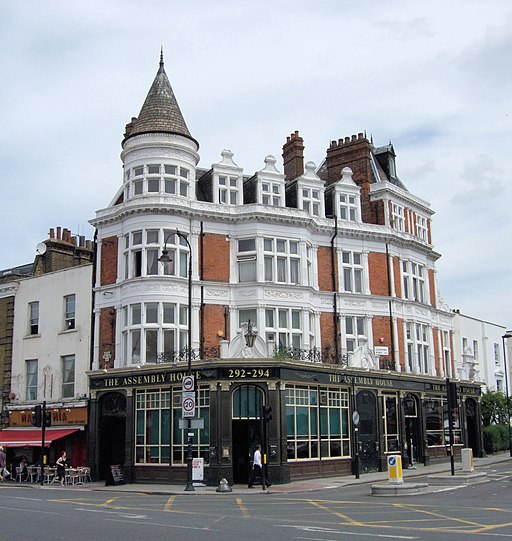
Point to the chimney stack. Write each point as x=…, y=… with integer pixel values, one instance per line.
x=293, y=156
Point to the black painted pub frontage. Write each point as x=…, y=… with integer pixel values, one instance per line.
x=302, y=414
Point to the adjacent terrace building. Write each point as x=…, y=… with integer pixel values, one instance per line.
x=329, y=267
x=45, y=349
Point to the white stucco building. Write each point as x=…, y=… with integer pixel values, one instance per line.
x=51, y=345
x=478, y=351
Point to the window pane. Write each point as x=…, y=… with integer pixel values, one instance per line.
x=151, y=312
x=169, y=312
x=151, y=345
x=294, y=271
x=152, y=262
x=136, y=319
x=153, y=185
x=269, y=274
x=247, y=245
x=281, y=269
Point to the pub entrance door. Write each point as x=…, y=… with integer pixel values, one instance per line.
x=246, y=429
x=366, y=405
x=112, y=432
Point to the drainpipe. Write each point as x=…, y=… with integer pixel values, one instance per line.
x=335, y=317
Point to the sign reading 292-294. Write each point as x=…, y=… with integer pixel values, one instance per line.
x=248, y=373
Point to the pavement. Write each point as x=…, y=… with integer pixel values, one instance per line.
x=309, y=485
x=304, y=485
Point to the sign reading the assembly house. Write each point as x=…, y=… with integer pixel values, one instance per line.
x=391, y=382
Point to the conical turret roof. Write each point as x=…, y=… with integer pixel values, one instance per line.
x=160, y=112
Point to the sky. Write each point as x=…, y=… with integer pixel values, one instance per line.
x=433, y=78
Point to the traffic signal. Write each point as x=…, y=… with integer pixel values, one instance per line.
x=452, y=394
x=47, y=418
x=268, y=413
x=37, y=416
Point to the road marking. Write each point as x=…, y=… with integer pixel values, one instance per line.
x=24, y=509
x=243, y=509
x=169, y=503
x=173, y=526
x=335, y=513
x=340, y=532
x=127, y=515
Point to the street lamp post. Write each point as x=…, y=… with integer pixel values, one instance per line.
x=506, y=336
x=164, y=258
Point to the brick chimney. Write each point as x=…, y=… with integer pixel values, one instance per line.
x=353, y=152
x=293, y=156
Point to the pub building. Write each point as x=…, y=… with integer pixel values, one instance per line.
x=303, y=302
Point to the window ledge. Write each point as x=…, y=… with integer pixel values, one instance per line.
x=38, y=335
x=68, y=331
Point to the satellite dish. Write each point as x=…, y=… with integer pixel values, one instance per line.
x=41, y=248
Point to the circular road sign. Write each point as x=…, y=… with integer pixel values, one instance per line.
x=355, y=418
x=189, y=404
x=188, y=383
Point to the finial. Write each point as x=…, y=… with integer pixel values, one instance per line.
x=161, y=56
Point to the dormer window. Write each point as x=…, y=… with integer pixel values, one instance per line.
x=421, y=227
x=346, y=198
x=311, y=201
x=397, y=217
x=228, y=190
x=348, y=207
x=270, y=194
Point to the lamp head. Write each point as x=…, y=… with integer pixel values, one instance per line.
x=164, y=258
x=250, y=335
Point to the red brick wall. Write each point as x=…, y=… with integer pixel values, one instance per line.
x=327, y=330
x=435, y=338
x=107, y=335
x=400, y=338
x=108, y=261
x=378, y=273
x=382, y=329
x=432, y=285
x=378, y=208
x=324, y=262
x=429, y=231
x=215, y=258
x=213, y=323
x=396, y=275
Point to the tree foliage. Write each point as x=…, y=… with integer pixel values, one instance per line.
x=494, y=408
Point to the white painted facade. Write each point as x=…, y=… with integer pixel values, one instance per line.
x=53, y=341
x=478, y=349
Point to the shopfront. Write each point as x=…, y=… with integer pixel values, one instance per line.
x=67, y=433
x=303, y=415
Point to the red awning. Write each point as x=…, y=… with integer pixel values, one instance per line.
x=14, y=437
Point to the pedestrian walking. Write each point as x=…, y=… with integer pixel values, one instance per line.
x=3, y=464
x=61, y=467
x=257, y=468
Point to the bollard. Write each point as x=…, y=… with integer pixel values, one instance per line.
x=467, y=460
x=395, y=470
x=224, y=486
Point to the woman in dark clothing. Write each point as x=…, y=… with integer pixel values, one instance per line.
x=61, y=468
